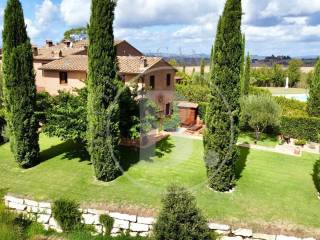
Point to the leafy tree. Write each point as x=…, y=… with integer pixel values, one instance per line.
x=43, y=106
x=261, y=77
x=180, y=218
x=66, y=118
x=173, y=62
x=19, y=87
x=246, y=77
x=146, y=121
x=193, y=93
x=314, y=93
x=294, y=72
x=260, y=112
x=222, y=121
x=202, y=67
x=69, y=34
x=129, y=111
x=278, y=76
x=103, y=83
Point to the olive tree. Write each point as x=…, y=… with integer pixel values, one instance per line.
x=260, y=112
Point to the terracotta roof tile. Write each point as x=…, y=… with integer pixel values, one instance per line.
x=127, y=64
x=85, y=43
x=69, y=63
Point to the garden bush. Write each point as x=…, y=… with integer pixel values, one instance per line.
x=67, y=214
x=300, y=142
x=180, y=218
x=291, y=107
x=107, y=222
x=307, y=128
x=172, y=122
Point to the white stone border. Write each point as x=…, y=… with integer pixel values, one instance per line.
x=134, y=224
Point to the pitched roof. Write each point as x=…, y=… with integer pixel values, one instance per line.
x=85, y=43
x=69, y=63
x=126, y=64
x=52, y=53
x=133, y=64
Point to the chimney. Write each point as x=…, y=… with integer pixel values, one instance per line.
x=56, y=54
x=67, y=43
x=35, y=50
x=143, y=62
x=49, y=43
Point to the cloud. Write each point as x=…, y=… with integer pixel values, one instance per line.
x=44, y=19
x=142, y=13
x=75, y=12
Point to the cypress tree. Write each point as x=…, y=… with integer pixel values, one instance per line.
x=223, y=111
x=19, y=87
x=314, y=94
x=202, y=66
x=218, y=42
x=103, y=111
x=246, y=77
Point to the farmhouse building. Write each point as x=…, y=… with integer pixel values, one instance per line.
x=64, y=67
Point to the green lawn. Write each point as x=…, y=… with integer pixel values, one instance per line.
x=282, y=90
x=265, y=139
x=272, y=188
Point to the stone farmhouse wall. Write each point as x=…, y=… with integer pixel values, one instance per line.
x=134, y=224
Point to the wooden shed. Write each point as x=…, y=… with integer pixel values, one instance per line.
x=188, y=113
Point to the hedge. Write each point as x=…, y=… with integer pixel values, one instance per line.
x=307, y=128
x=202, y=110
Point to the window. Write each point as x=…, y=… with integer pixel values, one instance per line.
x=152, y=82
x=168, y=80
x=63, y=77
x=168, y=109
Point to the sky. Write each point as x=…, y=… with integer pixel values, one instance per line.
x=279, y=27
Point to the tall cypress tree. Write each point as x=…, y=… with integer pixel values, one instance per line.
x=223, y=112
x=246, y=77
x=314, y=94
x=19, y=87
x=103, y=111
x=218, y=42
x=202, y=67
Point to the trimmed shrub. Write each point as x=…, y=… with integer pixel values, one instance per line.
x=300, y=142
x=107, y=222
x=307, y=128
x=259, y=91
x=67, y=214
x=180, y=218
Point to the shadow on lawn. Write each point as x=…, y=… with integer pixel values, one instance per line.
x=130, y=156
x=241, y=163
x=70, y=149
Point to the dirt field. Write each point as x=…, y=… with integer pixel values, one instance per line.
x=189, y=69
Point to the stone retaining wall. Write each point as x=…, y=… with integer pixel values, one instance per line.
x=134, y=224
